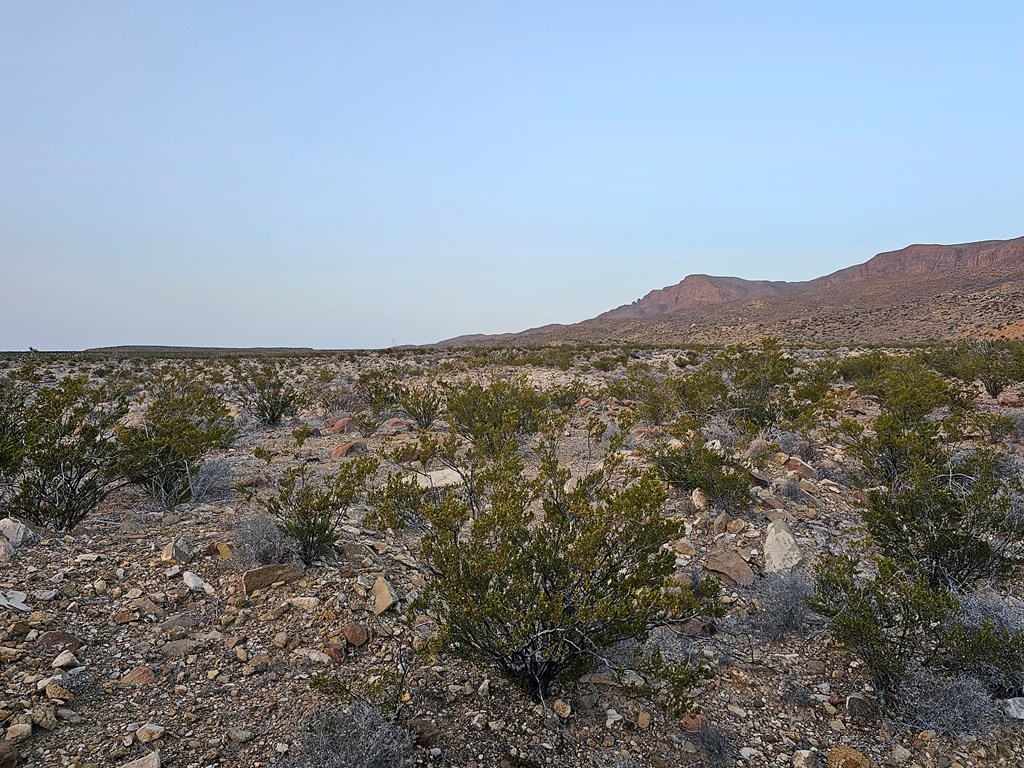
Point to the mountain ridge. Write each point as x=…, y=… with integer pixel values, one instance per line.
x=923, y=292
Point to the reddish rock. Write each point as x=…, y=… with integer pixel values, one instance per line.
x=58, y=641
x=356, y=635
x=336, y=651
x=340, y=425
x=692, y=723
x=351, y=448
x=1008, y=399
x=758, y=478
x=801, y=467
x=137, y=678
x=733, y=566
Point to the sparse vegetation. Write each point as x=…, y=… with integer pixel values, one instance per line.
x=306, y=508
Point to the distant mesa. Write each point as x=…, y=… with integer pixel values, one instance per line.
x=918, y=293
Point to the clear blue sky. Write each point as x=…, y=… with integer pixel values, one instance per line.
x=338, y=174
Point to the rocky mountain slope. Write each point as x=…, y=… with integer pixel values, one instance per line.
x=918, y=293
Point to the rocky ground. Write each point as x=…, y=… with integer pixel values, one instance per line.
x=144, y=639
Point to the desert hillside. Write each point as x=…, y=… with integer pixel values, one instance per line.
x=916, y=294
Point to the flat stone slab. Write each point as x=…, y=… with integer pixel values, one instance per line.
x=263, y=577
x=732, y=565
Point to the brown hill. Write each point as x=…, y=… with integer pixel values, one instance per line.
x=918, y=293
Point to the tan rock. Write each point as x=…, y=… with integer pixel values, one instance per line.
x=152, y=760
x=137, y=678
x=730, y=564
x=846, y=757
x=263, y=577
x=383, y=596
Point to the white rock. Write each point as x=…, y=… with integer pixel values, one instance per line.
x=193, y=581
x=13, y=599
x=315, y=656
x=149, y=732
x=66, y=660
x=440, y=478
x=1014, y=707
x=781, y=552
x=305, y=603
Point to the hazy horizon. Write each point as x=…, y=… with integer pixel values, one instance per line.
x=336, y=176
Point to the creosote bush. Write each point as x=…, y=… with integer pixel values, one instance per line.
x=164, y=453
x=539, y=581
x=70, y=458
x=307, y=509
x=689, y=465
x=265, y=391
x=895, y=620
x=496, y=414
x=423, y=404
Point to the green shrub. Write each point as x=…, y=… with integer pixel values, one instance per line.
x=690, y=465
x=265, y=392
x=895, y=620
x=654, y=395
x=421, y=404
x=399, y=503
x=855, y=369
x=495, y=414
x=306, y=510
x=760, y=380
x=183, y=422
x=959, y=524
x=890, y=620
x=562, y=396
x=542, y=598
x=71, y=458
x=12, y=439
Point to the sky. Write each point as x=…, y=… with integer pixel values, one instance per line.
x=340, y=175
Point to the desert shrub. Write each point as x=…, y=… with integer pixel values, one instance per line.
x=689, y=465
x=717, y=745
x=259, y=541
x=890, y=620
x=654, y=395
x=361, y=737
x=990, y=362
x=399, y=503
x=368, y=421
x=700, y=394
x=377, y=389
x=783, y=601
x=562, y=396
x=12, y=439
x=422, y=404
x=958, y=706
x=759, y=380
x=164, y=453
x=896, y=620
x=959, y=524
x=541, y=598
x=214, y=480
x=265, y=391
x=307, y=509
x=495, y=414
x=855, y=369
x=71, y=459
